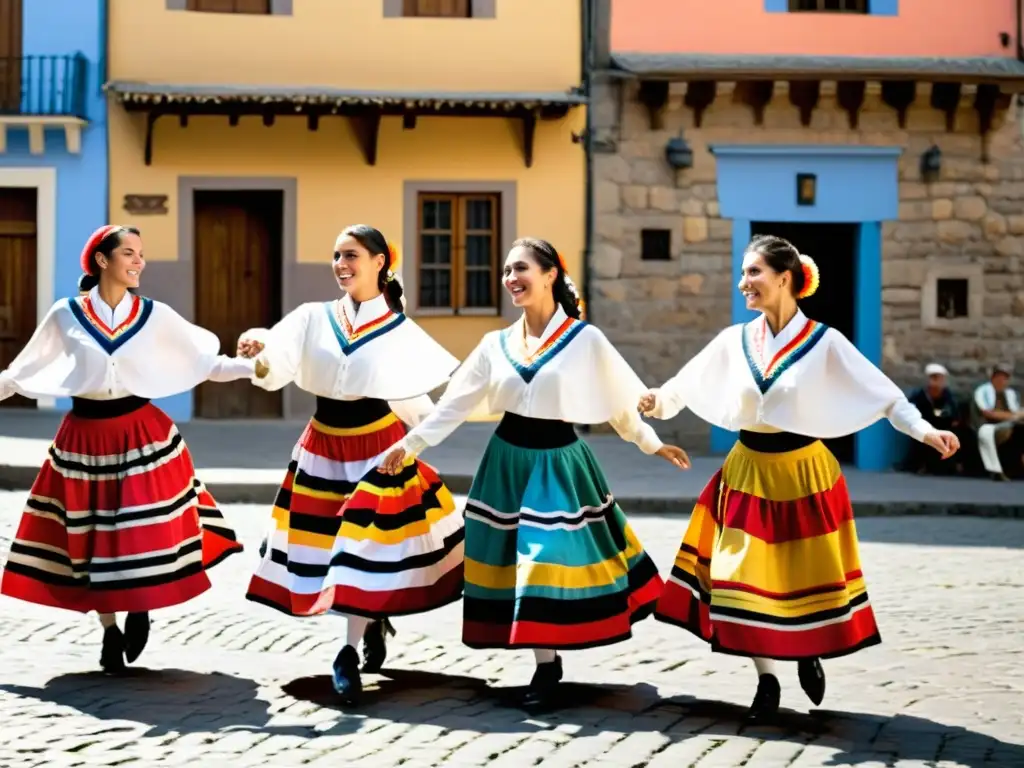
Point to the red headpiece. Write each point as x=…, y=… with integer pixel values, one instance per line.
x=92, y=243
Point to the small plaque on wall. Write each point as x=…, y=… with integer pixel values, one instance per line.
x=806, y=188
x=145, y=205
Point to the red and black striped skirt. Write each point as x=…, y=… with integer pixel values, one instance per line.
x=116, y=519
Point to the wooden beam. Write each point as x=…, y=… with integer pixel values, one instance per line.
x=987, y=101
x=367, y=131
x=756, y=94
x=73, y=138
x=408, y=121
x=804, y=94
x=233, y=119
x=899, y=94
x=36, y=139
x=653, y=94
x=850, y=96
x=946, y=98
x=268, y=119
x=313, y=122
x=528, y=124
x=183, y=120
x=700, y=94
x=151, y=119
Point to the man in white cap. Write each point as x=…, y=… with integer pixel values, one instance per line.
x=936, y=403
x=998, y=417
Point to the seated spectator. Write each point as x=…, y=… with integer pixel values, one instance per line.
x=999, y=420
x=937, y=404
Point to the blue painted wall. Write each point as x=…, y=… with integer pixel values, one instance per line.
x=854, y=184
x=67, y=27
x=875, y=7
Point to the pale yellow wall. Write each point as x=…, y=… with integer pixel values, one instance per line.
x=531, y=45
x=336, y=187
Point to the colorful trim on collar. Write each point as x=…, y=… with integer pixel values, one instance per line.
x=785, y=358
x=547, y=351
x=111, y=339
x=351, y=338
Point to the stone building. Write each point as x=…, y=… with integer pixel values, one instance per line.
x=900, y=172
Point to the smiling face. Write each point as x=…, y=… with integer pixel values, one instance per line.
x=527, y=283
x=356, y=269
x=761, y=285
x=123, y=267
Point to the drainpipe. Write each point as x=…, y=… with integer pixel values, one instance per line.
x=587, y=65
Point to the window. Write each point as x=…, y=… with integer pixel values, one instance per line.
x=259, y=7
x=458, y=241
x=452, y=9
x=952, y=297
x=830, y=6
x=655, y=244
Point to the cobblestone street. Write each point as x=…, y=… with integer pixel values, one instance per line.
x=227, y=681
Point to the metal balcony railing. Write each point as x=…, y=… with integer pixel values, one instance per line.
x=44, y=85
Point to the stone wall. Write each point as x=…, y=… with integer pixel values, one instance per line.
x=967, y=223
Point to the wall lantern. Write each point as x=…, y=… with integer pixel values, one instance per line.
x=678, y=153
x=806, y=188
x=931, y=163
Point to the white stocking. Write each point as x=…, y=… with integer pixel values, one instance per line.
x=356, y=628
x=764, y=666
x=544, y=655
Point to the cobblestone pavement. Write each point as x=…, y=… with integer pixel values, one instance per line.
x=224, y=680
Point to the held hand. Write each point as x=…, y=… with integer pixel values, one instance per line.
x=248, y=348
x=674, y=455
x=647, y=403
x=392, y=463
x=944, y=442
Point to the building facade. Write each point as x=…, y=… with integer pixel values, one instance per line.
x=880, y=136
x=53, y=158
x=451, y=125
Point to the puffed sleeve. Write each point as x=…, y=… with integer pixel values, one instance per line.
x=414, y=410
x=621, y=379
x=468, y=387
x=849, y=369
x=282, y=349
x=227, y=369
x=42, y=363
x=694, y=382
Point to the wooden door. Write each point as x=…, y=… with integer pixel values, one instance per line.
x=237, y=287
x=17, y=278
x=10, y=56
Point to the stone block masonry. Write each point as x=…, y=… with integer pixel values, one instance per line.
x=966, y=224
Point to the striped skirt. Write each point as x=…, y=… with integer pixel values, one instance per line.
x=550, y=560
x=347, y=538
x=769, y=564
x=116, y=519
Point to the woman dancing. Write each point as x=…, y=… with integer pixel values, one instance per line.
x=116, y=520
x=346, y=538
x=551, y=562
x=769, y=565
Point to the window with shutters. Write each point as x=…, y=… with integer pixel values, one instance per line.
x=830, y=6
x=457, y=252
x=257, y=7
x=452, y=9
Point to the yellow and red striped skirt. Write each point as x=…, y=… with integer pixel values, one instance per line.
x=769, y=565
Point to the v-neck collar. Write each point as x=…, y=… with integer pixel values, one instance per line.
x=356, y=327
x=111, y=339
x=769, y=356
x=560, y=330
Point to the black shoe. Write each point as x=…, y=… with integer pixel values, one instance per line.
x=112, y=655
x=136, y=635
x=375, y=645
x=766, y=700
x=347, y=683
x=540, y=693
x=812, y=679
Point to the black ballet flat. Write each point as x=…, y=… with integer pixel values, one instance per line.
x=766, y=701
x=812, y=679
x=112, y=653
x=540, y=693
x=345, y=678
x=375, y=645
x=136, y=635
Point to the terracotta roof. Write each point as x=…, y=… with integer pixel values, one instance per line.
x=158, y=93
x=708, y=66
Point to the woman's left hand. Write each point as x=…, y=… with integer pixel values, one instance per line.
x=674, y=455
x=944, y=442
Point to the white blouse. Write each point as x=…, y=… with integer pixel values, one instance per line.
x=336, y=350
x=84, y=348
x=572, y=373
x=809, y=380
